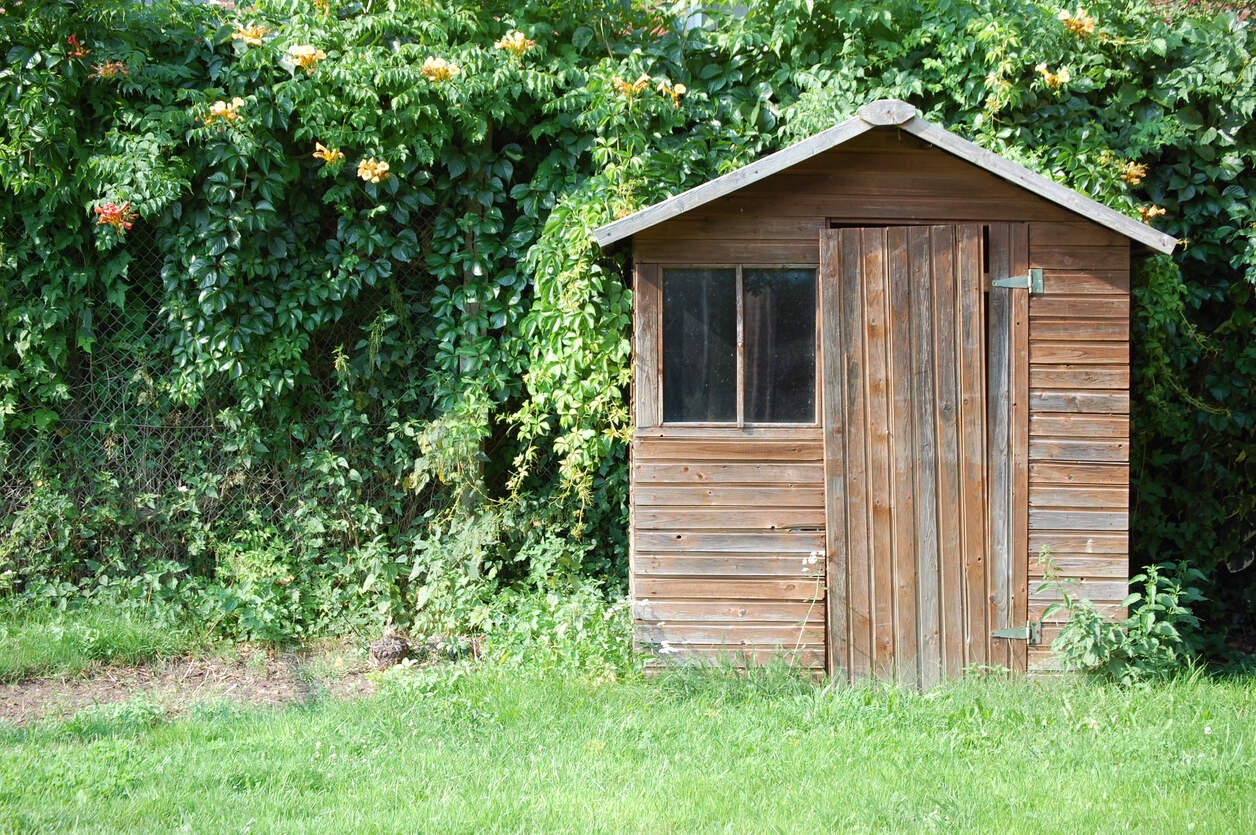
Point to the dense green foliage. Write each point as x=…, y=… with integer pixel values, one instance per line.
x=336, y=401
x=493, y=751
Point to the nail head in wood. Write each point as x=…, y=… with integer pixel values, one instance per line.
x=887, y=112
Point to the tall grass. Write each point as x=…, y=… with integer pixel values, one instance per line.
x=56, y=643
x=461, y=749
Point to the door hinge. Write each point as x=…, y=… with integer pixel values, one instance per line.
x=1031, y=281
x=1030, y=632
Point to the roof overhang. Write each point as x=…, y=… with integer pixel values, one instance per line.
x=886, y=113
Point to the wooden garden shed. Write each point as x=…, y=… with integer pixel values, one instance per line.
x=875, y=374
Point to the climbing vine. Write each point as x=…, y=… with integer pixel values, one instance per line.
x=301, y=306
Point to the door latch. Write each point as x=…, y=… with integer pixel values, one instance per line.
x=1031, y=281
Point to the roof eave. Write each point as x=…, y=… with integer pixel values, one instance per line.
x=885, y=112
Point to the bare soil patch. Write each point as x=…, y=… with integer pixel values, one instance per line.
x=251, y=675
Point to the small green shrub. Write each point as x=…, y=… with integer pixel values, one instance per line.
x=582, y=630
x=1157, y=640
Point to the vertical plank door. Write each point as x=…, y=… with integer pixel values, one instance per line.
x=1008, y=461
x=905, y=446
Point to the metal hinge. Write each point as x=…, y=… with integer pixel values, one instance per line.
x=1031, y=281
x=1031, y=632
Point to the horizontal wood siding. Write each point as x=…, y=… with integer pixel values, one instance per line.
x=1079, y=423
x=884, y=176
x=724, y=533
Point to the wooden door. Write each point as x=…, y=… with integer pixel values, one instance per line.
x=912, y=593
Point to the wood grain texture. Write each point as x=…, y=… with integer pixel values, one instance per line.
x=727, y=542
x=1079, y=449
x=719, y=472
x=832, y=399
x=1020, y=427
x=647, y=324
x=1000, y=441
x=911, y=410
x=722, y=611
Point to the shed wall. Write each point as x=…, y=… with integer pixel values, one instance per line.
x=712, y=566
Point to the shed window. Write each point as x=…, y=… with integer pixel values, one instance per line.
x=708, y=313
x=700, y=345
x=779, y=308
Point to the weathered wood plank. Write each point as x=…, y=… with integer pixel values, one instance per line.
x=1057, y=472
x=951, y=599
x=1100, y=402
x=972, y=425
x=858, y=541
x=1080, y=425
x=1063, y=542
x=760, y=517
x=730, y=542
x=1091, y=588
x=728, y=450
x=1094, y=330
x=727, y=495
x=728, y=250
x=1114, y=258
x=1106, y=566
x=833, y=389
x=901, y=442
x=1047, y=236
x=1081, y=353
x=716, y=472
x=1107, y=609
x=741, y=565
x=697, y=226
x=647, y=325
x=722, y=611
x=1020, y=409
x=999, y=478
x=878, y=438
x=1085, y=281
x=706, y=588
x=1080, y=307
x=924, y=388
x=1079, y=520
x=1079, y=449
x=804, y=657
x=1079, y=377
x=733, y=635
x=858, y=208
x=1079, y=497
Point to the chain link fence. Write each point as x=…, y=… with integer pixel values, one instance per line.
x=118, y=433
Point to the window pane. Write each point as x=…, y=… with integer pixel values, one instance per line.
x=780, y=334
x=699, y=345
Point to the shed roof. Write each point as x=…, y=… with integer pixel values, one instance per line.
x=885, y=113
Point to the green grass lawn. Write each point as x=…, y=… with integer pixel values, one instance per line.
x=52, y=643
x=471, y=750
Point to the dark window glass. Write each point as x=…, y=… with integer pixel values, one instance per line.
x=700, y=345
x=780, y=333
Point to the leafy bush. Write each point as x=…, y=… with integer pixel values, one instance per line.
x=1158, y=640
x=235, y=344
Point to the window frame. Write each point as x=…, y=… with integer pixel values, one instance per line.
x=740, y=422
